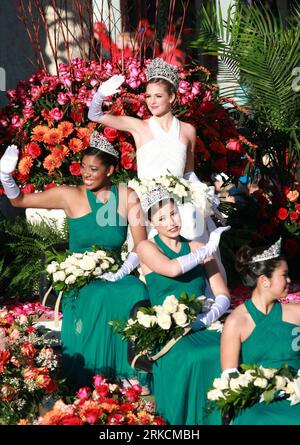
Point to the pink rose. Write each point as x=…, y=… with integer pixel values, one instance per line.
x=62, y=98
x=56, y=114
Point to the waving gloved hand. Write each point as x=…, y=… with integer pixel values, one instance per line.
x=191, y=260
x=132, y=261
x=107, y=88
x=8, y=164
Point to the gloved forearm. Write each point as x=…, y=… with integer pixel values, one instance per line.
x=191, y=260
x=107, y=88
x=219, y=307
x=132, y=261
x=8, y=164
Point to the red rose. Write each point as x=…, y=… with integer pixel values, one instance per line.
x=127, y=161
x=34, y=150
x=75, y=168
x=77, y=114
x=218, y=147
x=294, y=216
x=291, y=247
x=29, y=188
x=70, y=420
x=220, y=165
x=282, y=214
x=297, y=207
x=111, y=134
x=50, y=186
x=234, y=145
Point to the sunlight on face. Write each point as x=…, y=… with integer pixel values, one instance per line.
x=158, y=99
x=93, y=172
x=167, y=220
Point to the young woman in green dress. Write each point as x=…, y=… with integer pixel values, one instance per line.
x=263, y=331
x=98, y=214
x=171, y=265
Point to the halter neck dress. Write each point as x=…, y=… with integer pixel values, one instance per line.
x=272, y=343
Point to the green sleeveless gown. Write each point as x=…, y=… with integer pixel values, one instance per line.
x=183, y=375
x=271, y=344
x=89, y=345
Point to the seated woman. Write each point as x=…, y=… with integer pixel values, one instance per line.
x=98, y=214
x=261, y=331
x=171, y=265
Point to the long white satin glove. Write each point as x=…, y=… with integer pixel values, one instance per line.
x=220, y=306
x=227, y=372
x=131, y=263
x=191, y=176
x=8, y=164
x=192, y=259
x=107, y=88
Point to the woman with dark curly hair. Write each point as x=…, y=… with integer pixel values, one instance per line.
x=263, y=331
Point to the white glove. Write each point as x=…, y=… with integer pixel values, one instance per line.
x=220, y=306
x=8, y=164
x=107, y=88
x=131, y=263
x=227, y=372
x=191, y=260
x=191, y=176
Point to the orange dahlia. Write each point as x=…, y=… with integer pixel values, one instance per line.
x=25, y=165
x=76, y=145
x=39, y=133
x=66, y=128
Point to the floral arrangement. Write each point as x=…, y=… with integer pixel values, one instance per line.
x=181, y=190
x=46, y=117
x=107, y=404
x=68, y=271
x=28, y=366
x=154, y=326
x=256, y=384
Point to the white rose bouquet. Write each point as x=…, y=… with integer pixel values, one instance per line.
x=255, y=384
x=68, y=271
x=182, y=191
x=154, y=326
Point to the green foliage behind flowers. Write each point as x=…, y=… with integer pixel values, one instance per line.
x=154, y=326
x=255, y=384
x=68, y=271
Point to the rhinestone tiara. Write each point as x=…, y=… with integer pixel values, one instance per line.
x=152, y=197
x=100, y=142
x=268, y=254
x=158, y=68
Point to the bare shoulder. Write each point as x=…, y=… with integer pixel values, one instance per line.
x=237, y=318
x=188, y=128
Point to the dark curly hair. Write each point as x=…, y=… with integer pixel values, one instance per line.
x=106, y=158
x=250, y=272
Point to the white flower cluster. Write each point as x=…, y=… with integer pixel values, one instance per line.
x=171, y=310
x=78, y=265
x=181, y=190
x=261, y=380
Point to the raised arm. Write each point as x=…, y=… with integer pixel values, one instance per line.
x=189, y=165
x=55, y=198
x=106, y=89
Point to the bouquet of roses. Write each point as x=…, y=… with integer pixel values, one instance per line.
x=255, y=384
x=154, y=326
x=68, y=271
x=181, y=190
x=28, y=366
x=107, y=404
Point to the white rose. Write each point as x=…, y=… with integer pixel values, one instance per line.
x=70, y=279
x=158, y=309
x=234, y=384
x=105, y=265
x=164, y=320
x=249, y=374
x=215, y=394
x=59, y=276
x=148, y=320
x=221, y=383
x=182, y=307
x=78, y=255
x=52, y=267
x=86, y=273
x=63, y=265
x=72, y=260
x=78, y=272
x=70, y=270
x=280, y=382
x=180, y=191
x=260, y=382
x=180, y=319
x=170, y=304
x=268, y=372
x=87, y=263
x=97, y=271
x=243, y=380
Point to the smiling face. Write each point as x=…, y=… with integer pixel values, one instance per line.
x=158, y=99
x=95, y=174
x=278, y=283
x=166, y=220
